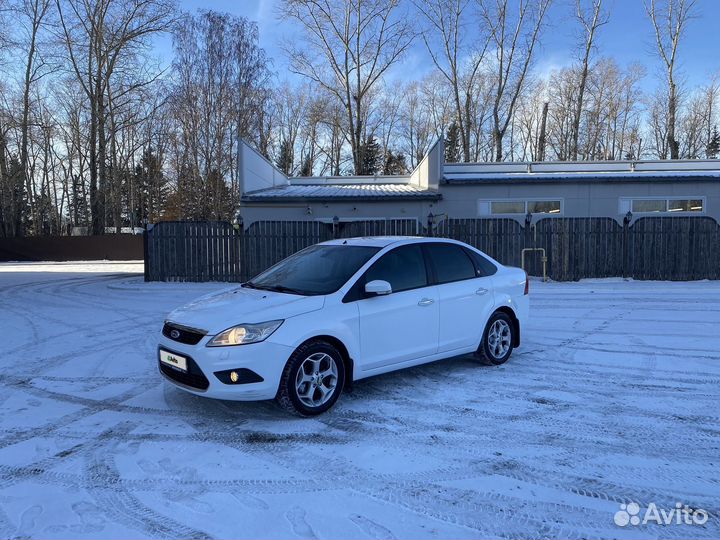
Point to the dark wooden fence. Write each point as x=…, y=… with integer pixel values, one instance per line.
x=111, y=247
x=663, y=248
x=216, y=251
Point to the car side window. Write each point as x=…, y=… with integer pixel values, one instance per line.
x=403, y=268
x=451, y=263
x=483, y=266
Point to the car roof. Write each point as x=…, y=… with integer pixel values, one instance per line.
x=380, y=241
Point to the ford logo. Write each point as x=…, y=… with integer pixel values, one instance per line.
x=174, y=334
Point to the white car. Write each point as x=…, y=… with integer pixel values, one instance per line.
x=341, y=311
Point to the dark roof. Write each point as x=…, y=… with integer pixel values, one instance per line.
x=569, y=177
x=341, y=192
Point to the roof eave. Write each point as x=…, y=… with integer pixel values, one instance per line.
x=530, y=179
x=361, y=198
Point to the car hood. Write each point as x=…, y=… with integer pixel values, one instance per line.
x=220, y=310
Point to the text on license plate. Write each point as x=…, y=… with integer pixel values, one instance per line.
x=172, y=359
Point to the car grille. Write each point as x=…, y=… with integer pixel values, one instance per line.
x=194, y=377
x=183, y=334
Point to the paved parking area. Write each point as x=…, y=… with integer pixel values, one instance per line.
x=612, y=399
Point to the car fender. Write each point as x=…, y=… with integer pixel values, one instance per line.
x=339, y=321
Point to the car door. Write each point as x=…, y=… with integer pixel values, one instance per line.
x=402, y=325
x=465, y=295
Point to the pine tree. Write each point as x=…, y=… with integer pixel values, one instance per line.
x=306, y=168
x=713, y=147
x=371, y=159
x=452, y=144
x=389, y=163
x=151, y=188
x=400, y=163
x=285, y=158
x=394, y=163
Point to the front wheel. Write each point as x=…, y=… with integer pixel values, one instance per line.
x=498, y=338
x=312, y=380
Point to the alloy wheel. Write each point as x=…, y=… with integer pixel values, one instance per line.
x=499, y=337
x=316, y=379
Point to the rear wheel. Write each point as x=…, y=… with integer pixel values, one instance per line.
x=312, y=380
x=498, y=338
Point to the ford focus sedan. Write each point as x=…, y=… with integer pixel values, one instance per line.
x=341, y=311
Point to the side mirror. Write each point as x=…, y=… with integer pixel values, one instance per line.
x=378, y=287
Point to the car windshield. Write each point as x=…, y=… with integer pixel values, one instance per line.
x=320, y=269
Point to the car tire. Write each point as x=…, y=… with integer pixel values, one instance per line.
x=314, y=390
x=497, y=341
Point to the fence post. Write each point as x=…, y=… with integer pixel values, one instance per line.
x=626, y=244
x=146, y=262
x=430, y=221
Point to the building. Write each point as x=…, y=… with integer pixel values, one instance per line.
x=526, y=192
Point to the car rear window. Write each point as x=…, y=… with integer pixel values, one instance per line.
x=483, y=265
x=451, y=263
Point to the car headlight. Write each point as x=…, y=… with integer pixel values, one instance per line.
x=243, y=334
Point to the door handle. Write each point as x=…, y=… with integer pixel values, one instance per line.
x=481, y=290
x=426, y=302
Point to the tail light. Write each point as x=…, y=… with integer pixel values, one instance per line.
x=527, y=284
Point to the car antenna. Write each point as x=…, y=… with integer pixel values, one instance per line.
x=345, y=242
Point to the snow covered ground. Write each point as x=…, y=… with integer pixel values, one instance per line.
x=613, y=398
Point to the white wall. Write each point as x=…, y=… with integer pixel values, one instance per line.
x=429, y=171
x=256, y=172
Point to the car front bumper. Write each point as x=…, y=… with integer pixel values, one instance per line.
x=266, y=359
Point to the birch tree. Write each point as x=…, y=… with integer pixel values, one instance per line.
x=348, y=46
x=514, y=36
x=459, y=62
x=669, y=20
x=590, y=17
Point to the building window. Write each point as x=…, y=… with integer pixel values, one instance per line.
x=649, y=205
x=507, y=207
x=543, y=207
x=662, y=205
x=685, y=205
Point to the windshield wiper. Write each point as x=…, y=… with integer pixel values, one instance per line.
x=275, y=288
x=284, y=289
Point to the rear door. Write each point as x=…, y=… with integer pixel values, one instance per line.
x=402, y=325
x=465, y=293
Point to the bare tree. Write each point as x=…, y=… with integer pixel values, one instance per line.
x=670, y=22
x=458, y=63
x=349, y=46
x=590, y=18
x=218, y=97
x=514, y=37
x=98, y=36
x=35, y=12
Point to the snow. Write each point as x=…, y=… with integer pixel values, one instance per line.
x=612, y=398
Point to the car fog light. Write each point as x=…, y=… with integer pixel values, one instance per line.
x=238, y=376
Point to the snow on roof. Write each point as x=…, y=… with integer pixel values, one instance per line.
x=580, y=176
x=342, y=192
x=582, y=171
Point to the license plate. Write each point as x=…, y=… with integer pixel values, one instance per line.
x=174, y=360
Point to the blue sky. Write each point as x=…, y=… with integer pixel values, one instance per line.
x=628, y=37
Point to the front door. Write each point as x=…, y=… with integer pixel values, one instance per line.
x=402, y=325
